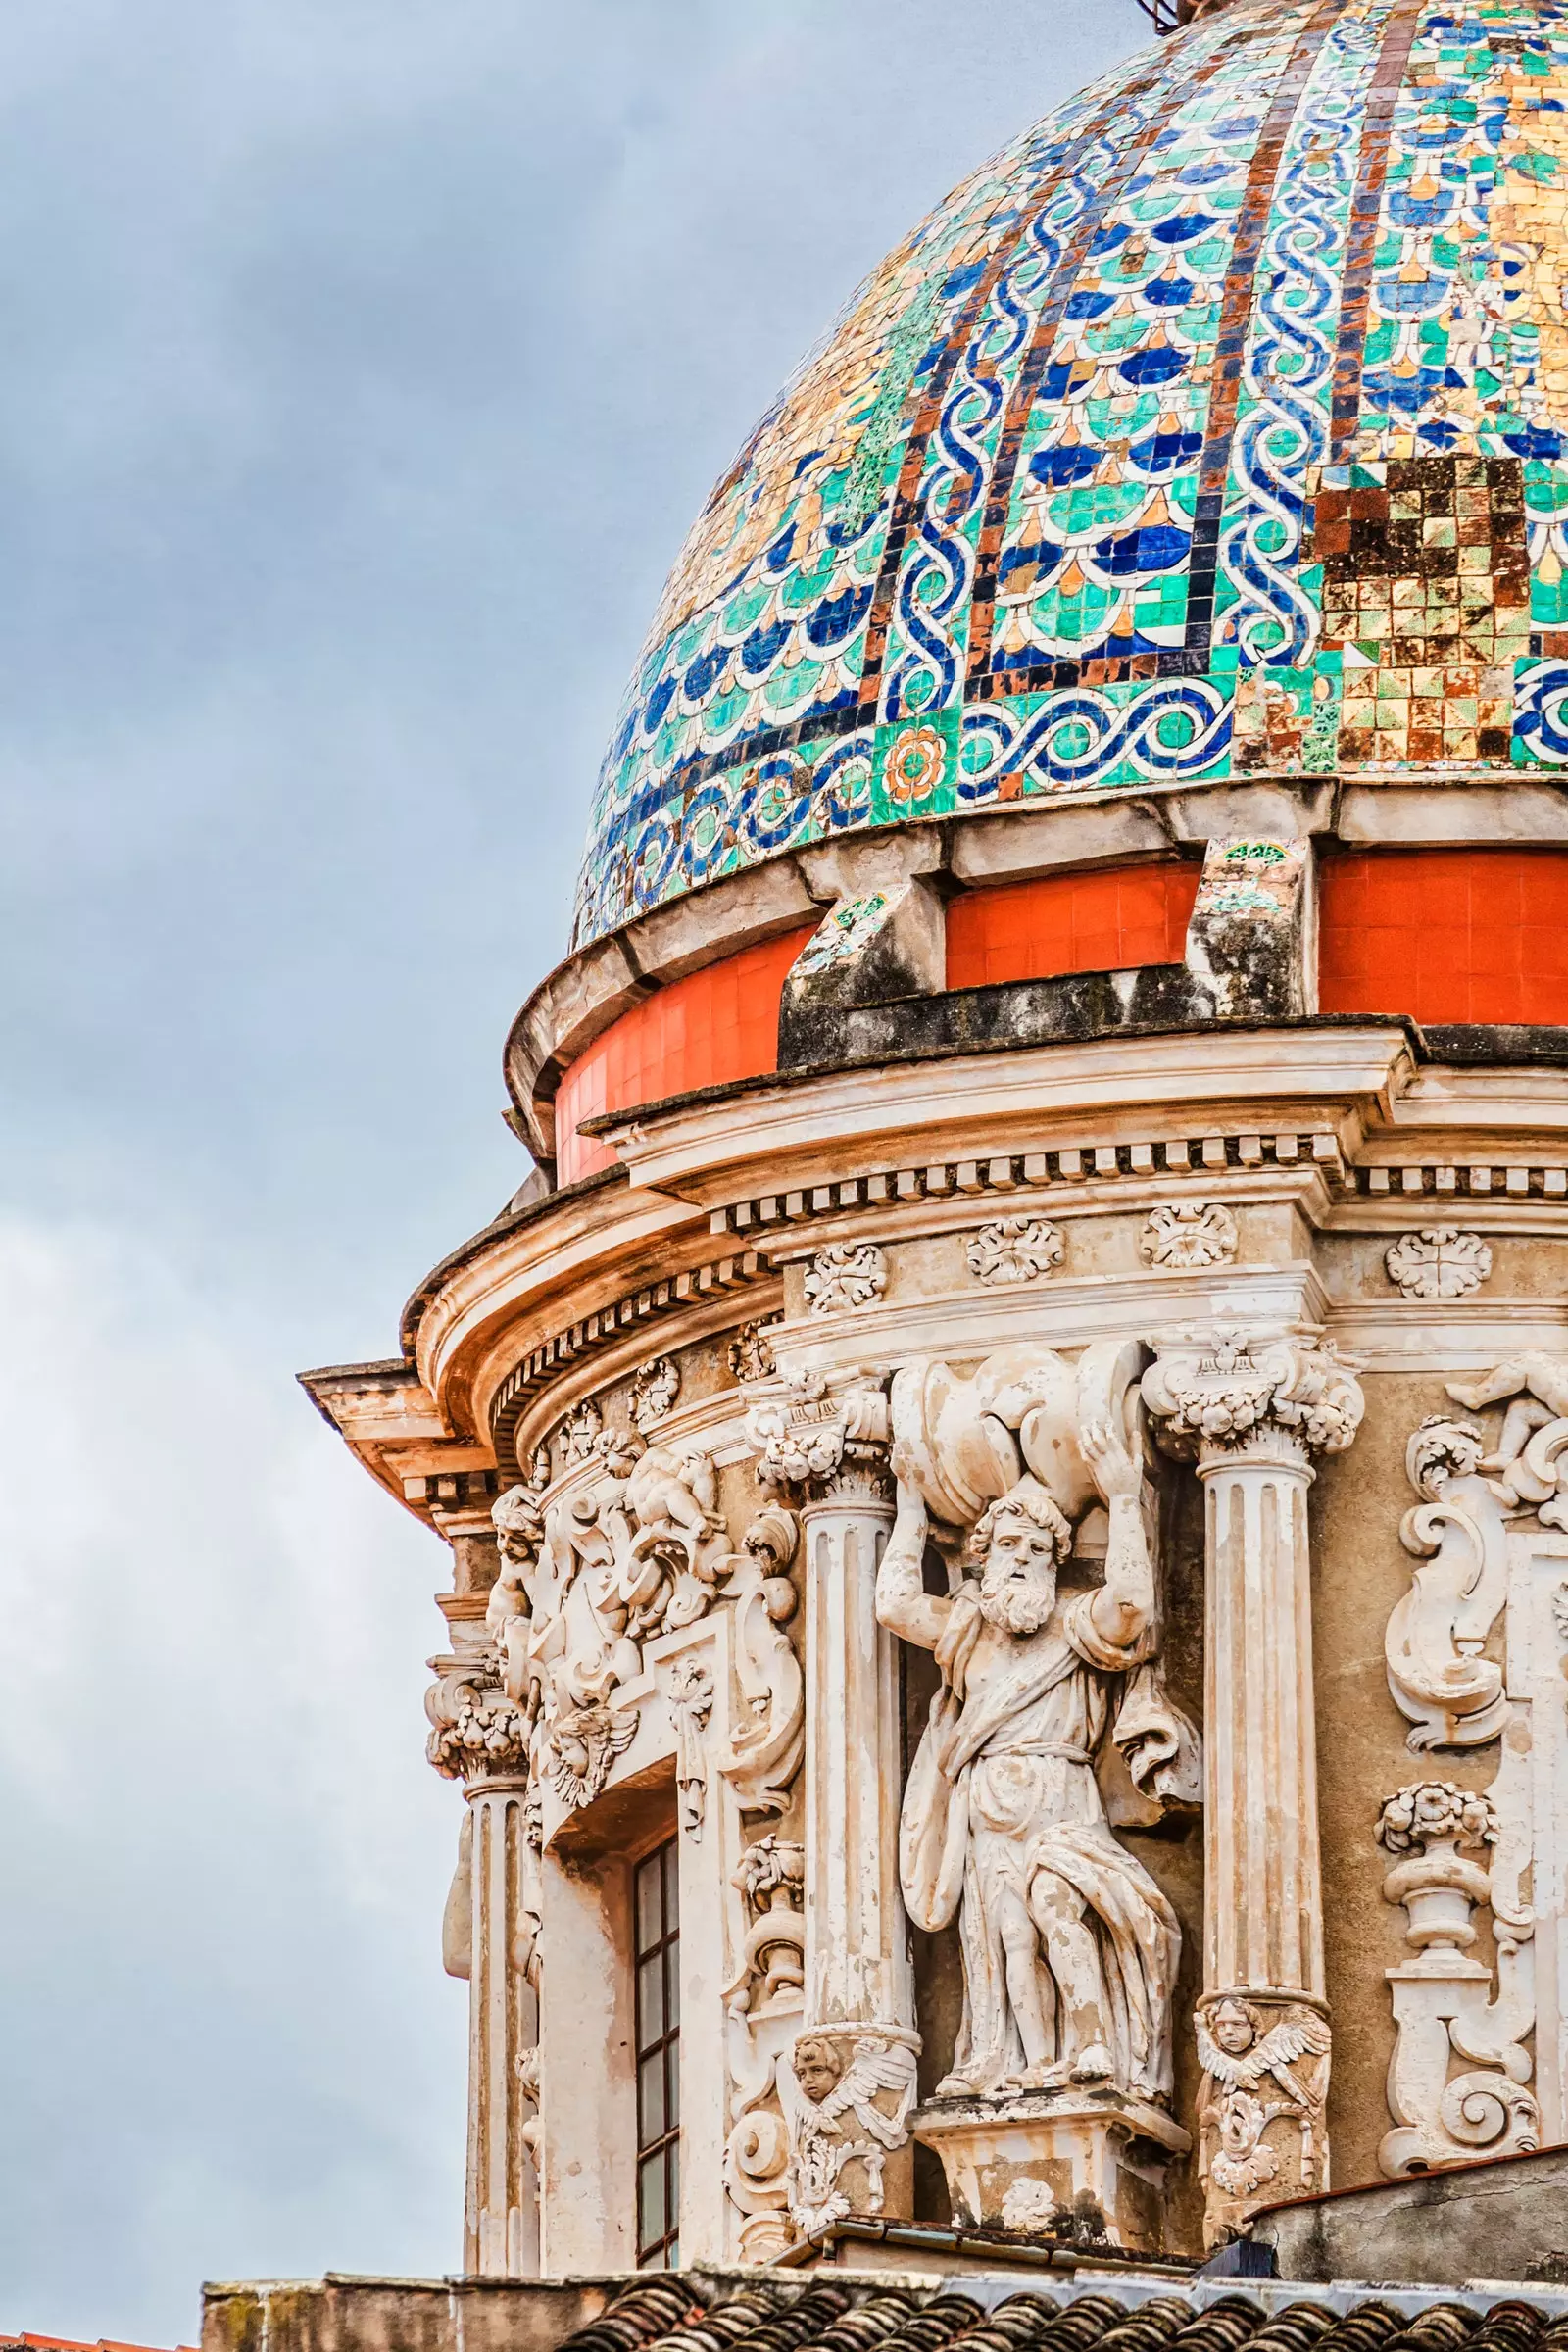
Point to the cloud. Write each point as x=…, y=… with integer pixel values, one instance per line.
x=362, y=369
x=227, y=2035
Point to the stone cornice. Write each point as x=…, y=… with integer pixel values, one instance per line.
x=1335, y=1120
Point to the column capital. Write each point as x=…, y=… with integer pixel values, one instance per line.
x=1221, y=1395
x=825, y=1433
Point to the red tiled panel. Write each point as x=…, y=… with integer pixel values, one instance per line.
x=1446, y=935
x=712, y=1027
x=1098, y=922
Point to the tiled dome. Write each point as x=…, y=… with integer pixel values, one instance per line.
x=1219, y=427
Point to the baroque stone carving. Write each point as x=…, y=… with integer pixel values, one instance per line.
x=844, y=1275
x=764, y=1999
x=1264, y=2065
x=1438, y=1262
x=654, y=1392
x=1229, y=1388
x=1443, y=2002
x=584, y=1742
x=751, y=1353
x=1070, y=1950
x=1189, y=1233
x=581, y=1431
x=1014, y=1249
x=690, y=1694
x=1434, y=1642
x=585, y=1580
x=847, y=2100
x=474, y=1727
x=804, y=1431
x=768, y=1739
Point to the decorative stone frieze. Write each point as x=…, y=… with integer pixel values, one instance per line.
x=1438, y=1262
x=1444, y=2005
x=1014, y=1249
x=1188, y=1234
x=846, y=1275
x=1253, y=1409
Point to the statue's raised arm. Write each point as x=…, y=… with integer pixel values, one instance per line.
x=903, y=1603
x=1123, y=1608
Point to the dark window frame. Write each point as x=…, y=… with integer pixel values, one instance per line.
x=655, y=1983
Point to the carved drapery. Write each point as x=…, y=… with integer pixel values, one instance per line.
x=1251, y=1410
x=1070, y=1948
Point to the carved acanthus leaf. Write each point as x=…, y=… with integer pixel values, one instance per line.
x=475, y=1727
x=1223, y=1390
x=808, y=1429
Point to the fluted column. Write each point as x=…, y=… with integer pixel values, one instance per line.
x=1251, y=1410
x=479, y=1738
x=824, y=1443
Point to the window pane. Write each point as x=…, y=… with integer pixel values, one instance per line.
x=671, y=1858
x=651, y=2222
x=672, y=1985
x=649, y=1916
x=650, y=2124
x=671, y=2255
x=672, y=2153
x=672, y=2072
x=649, y=2001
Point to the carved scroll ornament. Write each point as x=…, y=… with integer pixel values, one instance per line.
x=1443, y=2002
x=1435, y=1639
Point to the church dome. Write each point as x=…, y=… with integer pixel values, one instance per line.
x=1217, y=427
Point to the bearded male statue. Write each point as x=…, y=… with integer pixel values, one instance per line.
x=1070, y=1948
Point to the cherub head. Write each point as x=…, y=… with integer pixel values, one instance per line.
x=1233, y=2026
x=818, y=2066
x=1017, y=1546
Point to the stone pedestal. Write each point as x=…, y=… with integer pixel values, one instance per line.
x=1252, y=1409
x=1041, y=2161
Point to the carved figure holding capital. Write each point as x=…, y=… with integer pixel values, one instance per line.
x=1070, y=1950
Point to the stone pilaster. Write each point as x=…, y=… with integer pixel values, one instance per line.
x=481, y=1737
x=1251, y=1410
x=825, y=1441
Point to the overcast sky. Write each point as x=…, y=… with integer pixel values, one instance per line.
x=361, y=365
